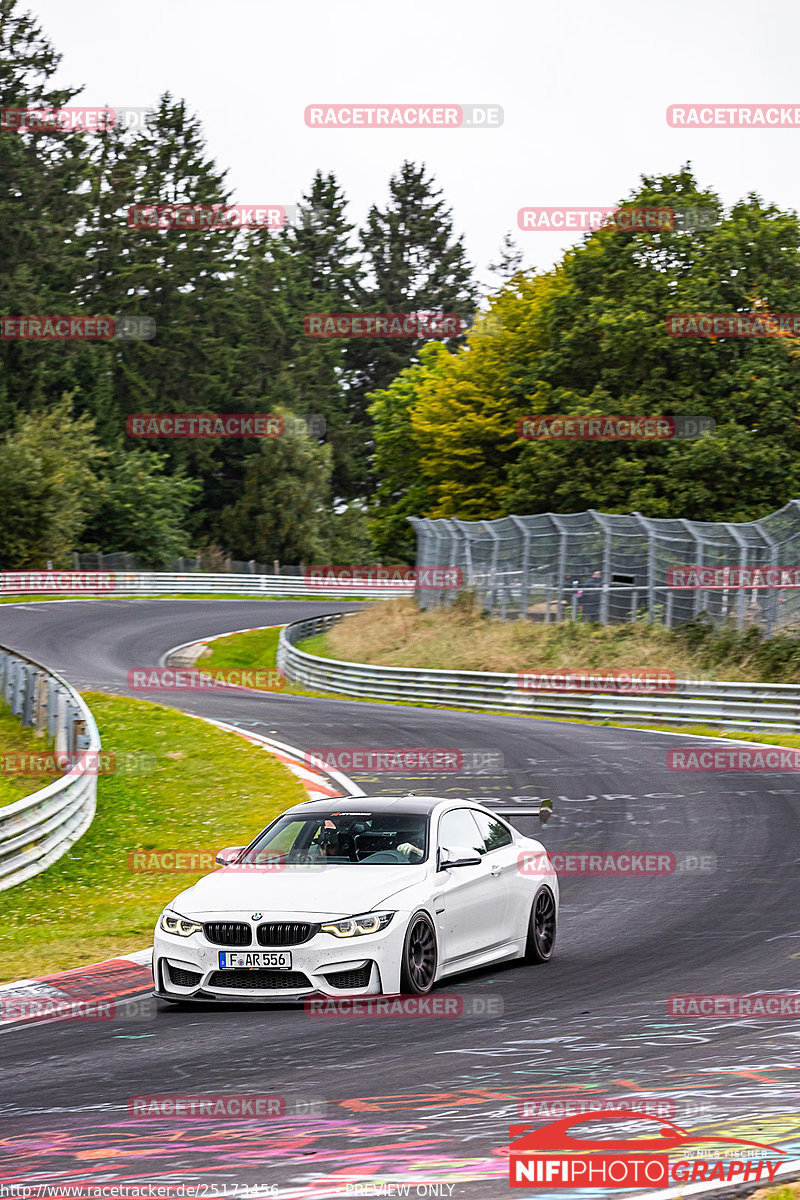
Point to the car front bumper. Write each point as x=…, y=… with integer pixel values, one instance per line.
x=189, y=968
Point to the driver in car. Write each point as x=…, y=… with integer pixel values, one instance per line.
x=327, y=844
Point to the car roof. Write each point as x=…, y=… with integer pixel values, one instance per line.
x=419, y=805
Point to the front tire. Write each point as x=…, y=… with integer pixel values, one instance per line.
x=420, y=956
x=541, y=928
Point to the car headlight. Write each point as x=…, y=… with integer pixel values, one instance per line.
x=173, y=923
x=356, y=926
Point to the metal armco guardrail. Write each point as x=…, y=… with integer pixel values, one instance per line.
x=157, y=583
x=735, y=706
x=37, y=830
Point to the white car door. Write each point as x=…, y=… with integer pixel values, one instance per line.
x=502, y=854
x=470, y=901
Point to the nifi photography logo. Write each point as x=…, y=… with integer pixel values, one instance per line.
x=549, y=1156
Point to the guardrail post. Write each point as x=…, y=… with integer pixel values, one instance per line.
x=41, y=697
x=28, y=694
x=52, y=706
x=17, y=687
x=62, y=729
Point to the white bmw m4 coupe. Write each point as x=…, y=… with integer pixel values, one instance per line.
x=359, y=896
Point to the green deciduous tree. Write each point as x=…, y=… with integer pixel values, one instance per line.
x=281, y=511
x=142, y=511
x=590, y=338
x=49, y=485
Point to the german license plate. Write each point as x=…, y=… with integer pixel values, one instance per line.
x=279, y=960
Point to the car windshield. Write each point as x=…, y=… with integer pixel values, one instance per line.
x=372, y=838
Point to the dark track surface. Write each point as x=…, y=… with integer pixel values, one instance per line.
x=431, y=1100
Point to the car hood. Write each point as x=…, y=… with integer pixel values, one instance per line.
x=334, y=890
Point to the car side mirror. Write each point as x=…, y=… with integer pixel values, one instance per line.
x=225, y=857
x=458, y=856
x=545, y=811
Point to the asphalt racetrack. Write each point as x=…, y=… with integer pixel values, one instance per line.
x=429, y=1101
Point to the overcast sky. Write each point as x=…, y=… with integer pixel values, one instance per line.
x=584, y=87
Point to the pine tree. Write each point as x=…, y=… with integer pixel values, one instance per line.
x=510, y=261
x=43, y=200
x=415, y=264
x=311, y=268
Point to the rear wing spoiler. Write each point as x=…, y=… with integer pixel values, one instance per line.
x=543, y=810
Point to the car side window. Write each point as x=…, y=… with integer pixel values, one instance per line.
x=495, y=834
x=457, y=828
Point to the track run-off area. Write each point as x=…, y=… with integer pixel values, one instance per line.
x=428, y=1102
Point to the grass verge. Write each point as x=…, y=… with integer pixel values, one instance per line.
x=206, y=789
x=397, y=634
x=254, y=651
x=14, y=739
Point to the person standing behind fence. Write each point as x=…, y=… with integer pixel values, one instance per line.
x=589, y=597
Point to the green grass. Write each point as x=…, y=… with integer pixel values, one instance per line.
x=397, y=634
x=209, y=789
x=14, y=739
x=255, y=651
